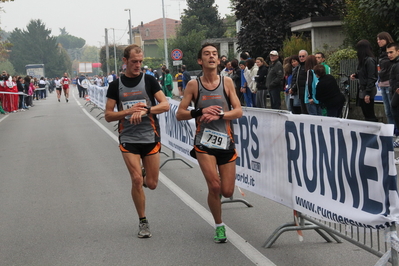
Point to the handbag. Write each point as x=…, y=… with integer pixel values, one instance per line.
x=169, y=87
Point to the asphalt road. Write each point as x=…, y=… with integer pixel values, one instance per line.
x=65, y=200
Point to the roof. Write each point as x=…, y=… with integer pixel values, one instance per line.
x=154, y=30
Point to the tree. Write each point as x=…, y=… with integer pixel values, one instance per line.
x=111, y=62
x=385, y=11
x=230, y=26
x=202, y=15
x=265, y=24
x=365, y=19
x=201, y=20
x=90, y=54
x=190, y=44
x=35, y=46
x=69, y=41
x=7, y=66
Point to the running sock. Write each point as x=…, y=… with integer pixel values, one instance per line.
x=143, y=220
x=217, y=225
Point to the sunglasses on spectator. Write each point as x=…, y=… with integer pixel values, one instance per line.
x=301, y=56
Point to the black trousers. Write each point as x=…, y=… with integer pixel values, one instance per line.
x=368, y=110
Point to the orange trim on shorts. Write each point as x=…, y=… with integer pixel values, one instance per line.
x=234, y=157
x=198, y=150
x=156, y=149
x=122, y=148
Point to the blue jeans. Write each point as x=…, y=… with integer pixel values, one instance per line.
x=248, y=97
x=313, y=109
x=254, y=100
x=386, y=98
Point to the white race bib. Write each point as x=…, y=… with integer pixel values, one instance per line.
x=214, y=139
x=128, y=104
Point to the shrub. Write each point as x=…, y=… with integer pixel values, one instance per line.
x=334, y=60
x=294, y=44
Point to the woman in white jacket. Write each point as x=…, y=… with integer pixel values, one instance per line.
x=250, y=73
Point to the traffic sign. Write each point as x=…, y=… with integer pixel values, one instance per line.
x=177, y=62
x=177, y=54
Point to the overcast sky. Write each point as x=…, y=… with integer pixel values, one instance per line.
x=89, y=18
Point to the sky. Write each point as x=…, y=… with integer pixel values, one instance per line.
x=88, y=19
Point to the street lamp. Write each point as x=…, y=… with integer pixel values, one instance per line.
x=130, y=25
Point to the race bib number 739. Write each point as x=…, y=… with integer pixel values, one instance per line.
x=214, y=139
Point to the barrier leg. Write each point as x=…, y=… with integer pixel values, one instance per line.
x=231, y=200
x=303, y=225
x=394, y=253
x=175, y=159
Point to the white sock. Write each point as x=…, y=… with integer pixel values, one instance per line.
x=217, y=225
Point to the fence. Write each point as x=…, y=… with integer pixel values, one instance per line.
x=349, y=67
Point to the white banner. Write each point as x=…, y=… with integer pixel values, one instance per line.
x=327, y=168
x=97, y=94
x=177, y=135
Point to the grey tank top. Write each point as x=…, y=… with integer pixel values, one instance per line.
x=148, y=130
x=208, y=98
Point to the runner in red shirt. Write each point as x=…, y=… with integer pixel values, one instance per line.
x=65, y=81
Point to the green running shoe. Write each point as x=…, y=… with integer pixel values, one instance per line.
x=220, y=235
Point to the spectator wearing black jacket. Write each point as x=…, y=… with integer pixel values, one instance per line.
x=236, y=77
x=299, y=80
x=20, y=87
x=328, y=92
x=260, y=79
x=274, y=80
x=383, y=39
x=393, y=55
x=367, y=75
x=80, y=87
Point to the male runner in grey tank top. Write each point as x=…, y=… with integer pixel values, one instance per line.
x=134, y=94
x=216, y=105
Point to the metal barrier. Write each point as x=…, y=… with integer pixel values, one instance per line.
x=374, y=241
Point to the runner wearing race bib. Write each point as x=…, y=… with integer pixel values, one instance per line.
x=139, y=99
x=216, y=105
x=65, y=81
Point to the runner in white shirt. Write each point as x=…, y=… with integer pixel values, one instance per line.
x=58, y=87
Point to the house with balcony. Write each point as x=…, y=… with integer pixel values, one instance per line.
x=146, y=35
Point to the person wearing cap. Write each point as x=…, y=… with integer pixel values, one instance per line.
x=110, y=78
x=156, y=75
x=148, y=71
x=274, y=80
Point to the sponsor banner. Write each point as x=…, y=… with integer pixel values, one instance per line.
x=328, y=168
x=97, y=95
x=177, y=135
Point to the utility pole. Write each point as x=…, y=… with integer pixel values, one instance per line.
x=106, y=50
x=130, y=26
x=164, y=36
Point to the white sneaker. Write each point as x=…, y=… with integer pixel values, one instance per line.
x=396, y=161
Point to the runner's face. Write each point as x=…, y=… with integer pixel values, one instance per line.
x=133, y=64
x=209, y=58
